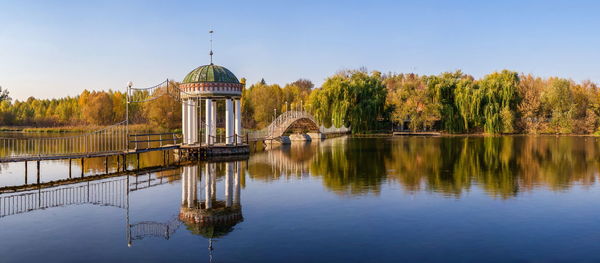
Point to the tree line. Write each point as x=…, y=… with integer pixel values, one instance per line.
x=453, y=102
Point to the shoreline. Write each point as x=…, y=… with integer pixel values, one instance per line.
x=442, y=134
x=74, y=129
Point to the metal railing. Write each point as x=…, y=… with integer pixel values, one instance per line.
x=222, y=139
x=145, y=229
x=108, y=139
x=285, y=119
x=105, y=193
x=153, y=140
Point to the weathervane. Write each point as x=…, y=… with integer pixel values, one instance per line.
x=211, y=51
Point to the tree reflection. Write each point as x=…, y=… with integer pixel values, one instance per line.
x=503, y=166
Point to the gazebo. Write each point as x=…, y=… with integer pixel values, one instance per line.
x=211, y=83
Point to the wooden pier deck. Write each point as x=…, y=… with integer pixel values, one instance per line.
x=204, y=150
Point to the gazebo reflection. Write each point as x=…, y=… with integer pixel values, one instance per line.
x=207, y=215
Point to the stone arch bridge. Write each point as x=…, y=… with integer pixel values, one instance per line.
x=295, y=122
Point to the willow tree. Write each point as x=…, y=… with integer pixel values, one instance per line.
x=500, y=100
x=443, y=89
x=468, y=98
x=351, y=98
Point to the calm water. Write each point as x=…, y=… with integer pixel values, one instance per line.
x=417, y=199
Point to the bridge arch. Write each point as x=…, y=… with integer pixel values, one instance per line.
x=300, y=121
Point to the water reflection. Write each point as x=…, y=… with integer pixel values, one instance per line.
x=292, y=198
x=207, y=214
x=210, y=217
x=503, y=166
x=203, y=214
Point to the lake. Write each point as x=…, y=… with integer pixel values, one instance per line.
x=347, y=199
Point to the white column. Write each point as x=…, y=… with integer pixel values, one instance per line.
x=213, y=181
x=194, y=178
x=213, y=126
x=183, y=187
x=199, y=121
x=228, y=121
x=208, y=187
x=191, y=122
x=228, y=184
x=238, y=120
x=184, y=120
x=194, y=121
x=209, y=120
x=190, y=186
x=236, y=183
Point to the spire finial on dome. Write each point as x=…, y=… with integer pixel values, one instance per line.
x=211, y=51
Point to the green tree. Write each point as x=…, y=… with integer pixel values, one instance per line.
x=500, y=98
x=351, y=98
x=443, y=89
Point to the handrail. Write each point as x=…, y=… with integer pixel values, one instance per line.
x=152, y=134
x=283, y=120
x=107, y=139
x=151, y=137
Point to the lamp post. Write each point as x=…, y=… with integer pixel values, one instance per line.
x=129, y=85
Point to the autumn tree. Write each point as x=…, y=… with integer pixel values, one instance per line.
x=266, y=101
x=165, y=111
x=409, y=98
x=98, y=109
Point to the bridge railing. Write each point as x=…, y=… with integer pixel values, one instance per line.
x=108, y=139
x=283, y=120
x=285, y=117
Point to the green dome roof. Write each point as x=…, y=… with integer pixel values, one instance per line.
x=210, y=73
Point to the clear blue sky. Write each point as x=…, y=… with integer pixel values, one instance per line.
x=58, y=48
